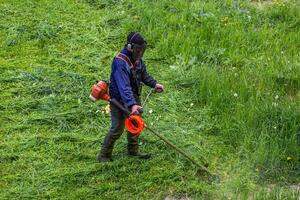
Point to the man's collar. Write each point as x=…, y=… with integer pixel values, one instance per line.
x=127, y=53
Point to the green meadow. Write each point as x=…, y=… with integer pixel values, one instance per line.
x=231, y=70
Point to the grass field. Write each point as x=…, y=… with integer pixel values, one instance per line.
x=231, y=69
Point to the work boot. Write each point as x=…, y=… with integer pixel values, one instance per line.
x=133, y=150
x=104, y=159
x=105, y=154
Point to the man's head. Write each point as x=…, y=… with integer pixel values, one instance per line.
x=136, y=44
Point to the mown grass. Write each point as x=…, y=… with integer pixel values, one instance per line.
x=231, y=71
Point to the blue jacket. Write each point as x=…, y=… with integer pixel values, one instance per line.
x=124, y=85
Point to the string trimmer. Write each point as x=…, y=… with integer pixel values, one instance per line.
x=135, y=124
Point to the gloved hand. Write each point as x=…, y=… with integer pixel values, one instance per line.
x=136, y=109
x=159, y=88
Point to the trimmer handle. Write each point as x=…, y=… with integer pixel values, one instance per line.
x=134, y=123
x=120, y=106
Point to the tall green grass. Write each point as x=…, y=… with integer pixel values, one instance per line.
x=231, y=71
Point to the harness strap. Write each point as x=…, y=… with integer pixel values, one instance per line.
x=132, y=69
x=126, y=59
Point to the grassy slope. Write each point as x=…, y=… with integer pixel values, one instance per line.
x=232, y=76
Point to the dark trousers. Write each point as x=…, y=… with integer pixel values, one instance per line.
x=114, y=133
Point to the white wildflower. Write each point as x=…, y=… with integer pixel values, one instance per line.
x=107, y=109
x=173, y=67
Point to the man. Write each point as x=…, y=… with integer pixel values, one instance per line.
x=128, y=72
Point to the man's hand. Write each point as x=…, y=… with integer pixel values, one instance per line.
x=159, y=88
x=135, y=109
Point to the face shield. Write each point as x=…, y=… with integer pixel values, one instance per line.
x=139, y=50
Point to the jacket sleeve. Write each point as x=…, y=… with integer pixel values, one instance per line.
x=146, y=78
x=122, y=77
